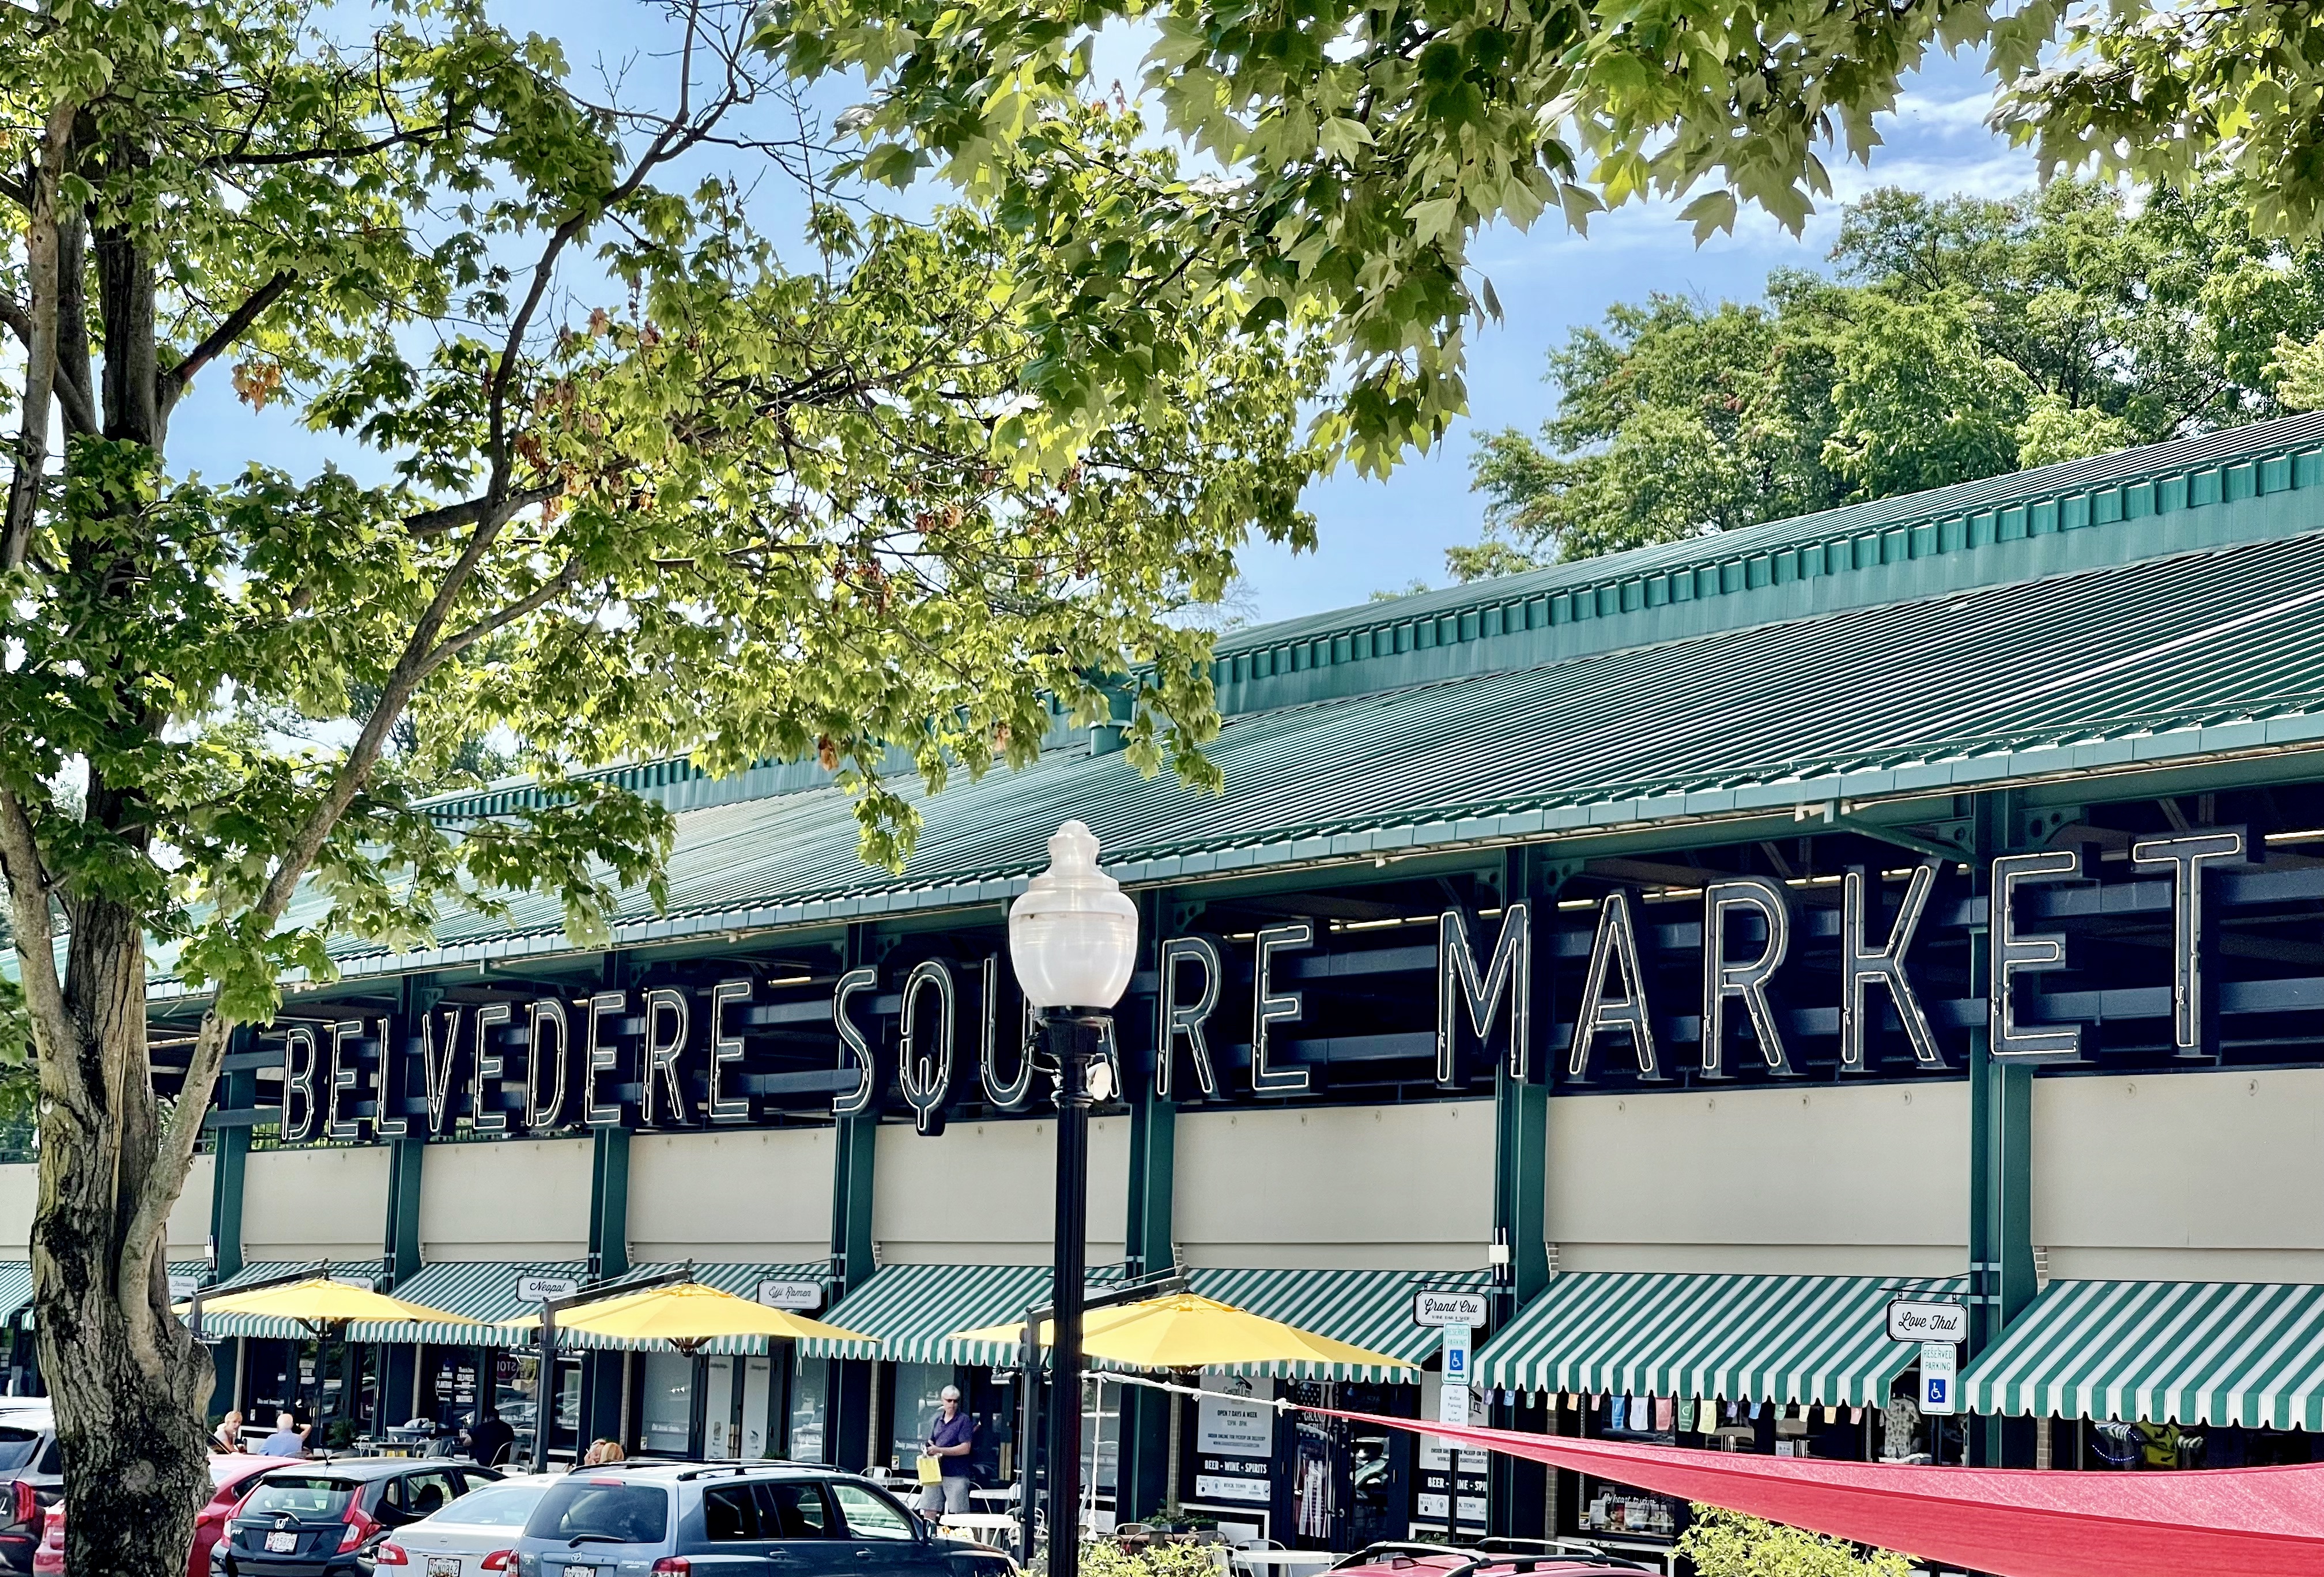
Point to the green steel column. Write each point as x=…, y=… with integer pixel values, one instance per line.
x=848, y=1422
x=2001, y=1164
x=399, y=1361
x=237, y=1091
x=1518, y=1497
x=1143, y=1472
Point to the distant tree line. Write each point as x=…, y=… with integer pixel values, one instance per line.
x=1954, y=338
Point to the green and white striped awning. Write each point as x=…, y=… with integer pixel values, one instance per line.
x=266, y=1327
x=2249, y=1354
x=1820, y=1339
x=16, y=1289
x=481, y=1289
x=911, y=1310
x=1368, y=1308
x=741, y=1280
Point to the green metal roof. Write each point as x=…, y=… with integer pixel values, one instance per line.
x=2245, y=1354
x=2192, y=492
x=2163, y=660
x=1790, y=1339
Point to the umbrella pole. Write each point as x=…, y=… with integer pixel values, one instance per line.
x=1027, y=1430
x=1170, y=1487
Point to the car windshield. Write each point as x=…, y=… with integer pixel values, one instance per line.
x=302, y=1495
x=593, y=1508
x=17, y=1444
x=500, y=1505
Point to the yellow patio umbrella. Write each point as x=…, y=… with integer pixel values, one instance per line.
x=687, y=1315
x=1186, y=1330
x=319, y=1303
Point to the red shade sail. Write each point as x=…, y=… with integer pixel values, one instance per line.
x=2220, y=1522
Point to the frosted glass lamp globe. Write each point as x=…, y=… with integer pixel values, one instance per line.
x=1073, y=933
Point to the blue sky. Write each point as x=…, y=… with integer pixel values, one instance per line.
x=1375, y=535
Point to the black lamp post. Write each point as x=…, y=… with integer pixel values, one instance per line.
x=1073, y=940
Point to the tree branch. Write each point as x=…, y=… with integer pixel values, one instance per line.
x=540, y=597
x=79, y=404
x=235, y=325
x=450, y=517
x=242, y=161
x=42, y=245
x=166, y=1178
x=34, y=937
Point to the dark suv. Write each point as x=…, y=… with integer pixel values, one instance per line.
x=326, y=1519
x=754, y=1519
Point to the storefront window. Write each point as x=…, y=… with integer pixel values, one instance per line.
x=516, y=1386
x=666, y=1408
x=920, y=1396
x=810, y=1391
x=1102, y=1426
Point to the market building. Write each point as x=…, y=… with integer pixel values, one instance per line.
x=2002, y=811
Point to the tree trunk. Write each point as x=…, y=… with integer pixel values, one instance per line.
x=130, y=1385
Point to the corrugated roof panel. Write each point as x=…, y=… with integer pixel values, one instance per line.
x=1767, y=717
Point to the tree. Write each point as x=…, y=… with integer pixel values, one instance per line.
x=646, y=481
x=1961, y=337
x=1727, y=1544
x=1363, y=145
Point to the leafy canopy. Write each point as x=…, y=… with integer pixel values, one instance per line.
x=1961, y=337
x=1727, y=1544
x=1359, y=145
x=641, y=477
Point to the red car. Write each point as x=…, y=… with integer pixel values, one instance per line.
x=1492, y=1557
x=231, y=1478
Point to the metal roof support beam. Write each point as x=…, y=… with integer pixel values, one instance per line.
x=848, y=1396
x=1146, y=1468
x=2002, y=1281
x=1519, y=1499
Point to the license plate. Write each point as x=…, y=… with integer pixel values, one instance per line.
x=443, y=1566
x=281, y=1543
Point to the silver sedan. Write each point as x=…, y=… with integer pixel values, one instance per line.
x=455, y=1541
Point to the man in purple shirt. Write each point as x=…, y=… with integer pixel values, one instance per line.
x=952, y=1436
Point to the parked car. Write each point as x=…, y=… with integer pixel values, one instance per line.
x=328, y=1518
x=32, y=1477
x=1492, y=1557
x=231, y=1478
x=455, y=1541
x=753, y=1519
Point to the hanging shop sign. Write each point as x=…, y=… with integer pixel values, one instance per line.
x=1450, y=1308
x=541, y=1289
x=1226, y=1012
x=1920, y=1320
x=798, y=1296
x=184, y=1284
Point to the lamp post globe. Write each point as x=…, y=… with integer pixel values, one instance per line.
x=1072, y=943
x=1072, y=933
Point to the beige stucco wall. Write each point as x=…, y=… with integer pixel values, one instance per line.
x=1870, y=1180
x=20, y=1194
x=1396, y=1187
x=190, y=1222
x=189, y=1219
x=984, y=1193
x=315, y=1204
x=505, y=1199
x=739, y=1196
x=2198, y=1177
